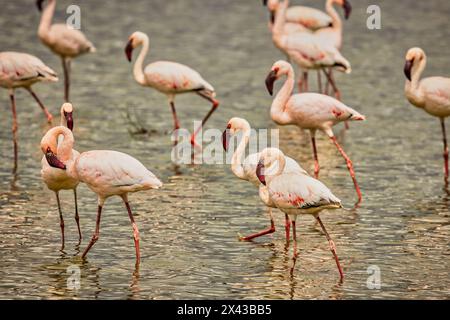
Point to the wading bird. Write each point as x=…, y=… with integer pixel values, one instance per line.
x=21, y=70
x=57, y=179
x=66, y=42
x=295, y=193
x=307, y=50
x=245, y=169
x=310, y=111
x=430, y=94
x=170, y=78
x=107, y=173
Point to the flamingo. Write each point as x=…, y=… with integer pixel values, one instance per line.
x=170, y=78
x=66, y=42
x=21, y=70
x=245, y=169
x=295, y=193
x=56, y=179
x=312, y=111
x=107, y=173
x=307, y=17
x=430, y=94
x=307, y=50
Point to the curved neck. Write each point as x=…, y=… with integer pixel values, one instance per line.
x=236, y=160
x=337, y=22
x=280, y=19
x=65, y=146
x=280, y=163
x=138, y=70
x=277, y=111
x=46, y=19
x=412, y=87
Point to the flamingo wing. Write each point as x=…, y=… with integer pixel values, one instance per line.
x=437, y=91
x=16, y=66
x=69, y=42
x=311, y=18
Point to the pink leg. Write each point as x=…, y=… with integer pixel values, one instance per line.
x=332, y=248
x=294, y=235
x=14, y=129
x=213, y=108
x=287, y=227
x=269, y=230
x=61, y=221
x=349, y=166
x=135, y=232
x=66, y=68
x=319, y=81
x=77, y=217
x=49, y=116
x=316, y=158
x=305, y=81
x=176, y=123
x=445, y=150
x=96, y=233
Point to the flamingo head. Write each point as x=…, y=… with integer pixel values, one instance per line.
x=234, y=126
x=413, y=54
x=272, y=5
x=279, y=69
x=49, y=148
x=347, y=7
x=135, y=40
x=67, y=113
x=267, y=164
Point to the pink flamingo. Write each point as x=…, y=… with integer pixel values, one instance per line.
x=21, y=70
x=56, y=179
x=307, y=17
x=107, y=173
x=66, y=42
x=245, y=169
x=295, y=193
x=307, y=50
x=430, y=94
x=170, y=78
x=310, y=111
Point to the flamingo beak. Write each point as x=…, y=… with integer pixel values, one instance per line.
x=271, y=78
x=226, y=138
x=53, y=161
x=347, y=9
x=272, y=17
x=129, y=50
x=264, y=2
x=259, y=174
x=407, y=69
x=39, y=4
x=69, y=119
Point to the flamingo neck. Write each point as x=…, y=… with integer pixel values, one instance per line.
x=412, y=87
x=337, y=22
x=280, y=163
x=280, y=21
x=237, y=159
x=138, y=70
x=46, y=20
x=278, y=110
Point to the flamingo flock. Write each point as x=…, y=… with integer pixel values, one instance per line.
x=311, y=39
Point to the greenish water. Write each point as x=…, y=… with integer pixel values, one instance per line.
x=189, y=229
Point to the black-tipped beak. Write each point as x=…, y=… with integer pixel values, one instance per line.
x=271, y=78
x=226, y=139
x=264, y=2
x=53, y=161
x=407, y=69
x=69, y=120
x=39, y=4
x=129, y=50
x=272, y=17
x=347, y=9
x=259, y=172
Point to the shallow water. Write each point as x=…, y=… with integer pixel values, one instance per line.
x=189, y=229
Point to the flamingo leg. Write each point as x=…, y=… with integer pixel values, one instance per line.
x=176, y=123
x=66, y=68
x=294, y=236
x=287, y=227
x=444, y=137
x=135, y=232
x=305, y=81
x=316, y=158
x=77, y=217
x=332, y=248
x=349, y=166
x=319, y=81
x=14, y=129
x=269, y=230
x=61, y=220
x=327, y=84
x=213, y=108
x=44, y=109
x=96, y=233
